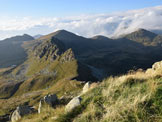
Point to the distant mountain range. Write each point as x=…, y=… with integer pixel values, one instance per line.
x=11, y=50
x=159, y=32
x=37, y=36
x=99, y=51
x=62, y=61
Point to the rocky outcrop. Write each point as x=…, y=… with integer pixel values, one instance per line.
x=67, y=56
x=49, y=100
x=50, y=49
x=75, y=102
x=20, y=112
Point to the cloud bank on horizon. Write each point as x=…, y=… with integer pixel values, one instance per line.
x=110, y=25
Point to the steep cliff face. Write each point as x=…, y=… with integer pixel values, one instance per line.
x=52, y=49
x=67, y=56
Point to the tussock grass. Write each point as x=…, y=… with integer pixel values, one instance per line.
x=134, y=97
x=47, y=114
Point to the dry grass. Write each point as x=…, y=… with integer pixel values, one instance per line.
x=135, y=97
x=47, y=114
x=125, y=98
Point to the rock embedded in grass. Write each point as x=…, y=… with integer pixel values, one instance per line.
x=50, y=99
x=86, y=87
x=20, y=112
x=75, y=102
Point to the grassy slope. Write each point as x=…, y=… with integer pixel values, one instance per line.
x=43, y=73
x=38, y=80
x=39, y=84
x=32, y=98
x=135, y=97
x=42, y=76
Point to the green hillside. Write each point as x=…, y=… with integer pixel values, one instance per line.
x=48, y=63
x=134, y=97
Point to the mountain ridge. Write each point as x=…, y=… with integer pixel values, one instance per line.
x=56, y=65
x=11, y=50
x=24, y=37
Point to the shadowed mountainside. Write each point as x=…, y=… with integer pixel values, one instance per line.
x=12, y=52
x=139, y=49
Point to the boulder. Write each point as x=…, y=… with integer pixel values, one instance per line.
x=75, y=102
x=86, y=87
x=157, y=65
x=20, y=112
x=48, y=99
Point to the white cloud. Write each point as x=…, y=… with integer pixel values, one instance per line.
x=109, y=25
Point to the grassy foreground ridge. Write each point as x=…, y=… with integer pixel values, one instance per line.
x=134, y=97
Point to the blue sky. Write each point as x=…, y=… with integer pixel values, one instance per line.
x=84, y=17
x=60, y=8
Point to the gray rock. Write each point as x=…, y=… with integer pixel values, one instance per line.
x=75, y=102
x=49, y=49
x=86, y=87
x=40, y=106
x=20, y=112
x=67, y=56
x=48, y=99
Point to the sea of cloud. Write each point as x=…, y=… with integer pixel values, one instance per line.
x=111, y=25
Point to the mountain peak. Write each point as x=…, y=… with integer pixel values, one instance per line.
x=64, y=33
x=142, y=36
x=141, y=29
x=37, y=36
x=25, y=34
x=100, y=37
x=143, y=32
x=24, y=37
